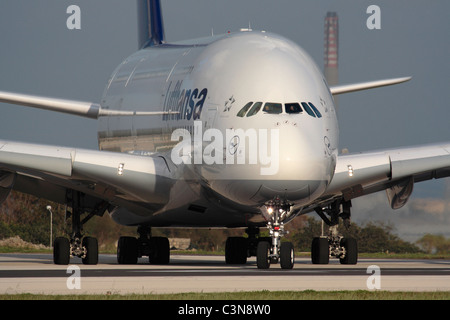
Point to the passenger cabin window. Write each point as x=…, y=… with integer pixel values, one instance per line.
x=292, y=108
x=272, y=108
x=255, y=109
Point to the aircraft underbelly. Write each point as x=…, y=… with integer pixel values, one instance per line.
x=189, y=214
x=195, y=205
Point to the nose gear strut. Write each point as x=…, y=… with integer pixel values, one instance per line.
x=270, y=253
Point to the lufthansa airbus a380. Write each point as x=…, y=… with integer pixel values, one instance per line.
x=230, y=131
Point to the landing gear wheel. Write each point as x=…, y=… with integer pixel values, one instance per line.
x=127, y=250
x=61, y=251
x=236, y=250
x=345, y=249
x=263, y=255
x=287, y=255
x=91, y=246
x=320, y=251
x=159, y=250
x=85, y=248
x=351, y=251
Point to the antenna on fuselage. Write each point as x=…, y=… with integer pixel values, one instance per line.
x=247, y=29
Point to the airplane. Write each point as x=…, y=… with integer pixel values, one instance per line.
x=237, y=130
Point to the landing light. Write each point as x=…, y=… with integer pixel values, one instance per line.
x=120, y=169
x=350, y=171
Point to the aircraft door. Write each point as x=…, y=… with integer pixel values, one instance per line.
x=210, y=117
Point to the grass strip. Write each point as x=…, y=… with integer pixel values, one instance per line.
x=251, y=295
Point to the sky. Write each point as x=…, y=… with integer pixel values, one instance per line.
x=39, y=55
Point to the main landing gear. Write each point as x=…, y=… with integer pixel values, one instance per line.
x=129, y=249
x=268, y=250
x=85, y=248
x=334, y=245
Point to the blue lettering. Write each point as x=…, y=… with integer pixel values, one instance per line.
x=180, y=107
x=192, y=104
x=200, y=102
x=188, y=103
x=166, y=117
x=188, y=107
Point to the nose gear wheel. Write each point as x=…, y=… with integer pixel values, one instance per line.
x=274, y=251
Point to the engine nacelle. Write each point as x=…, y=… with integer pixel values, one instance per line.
x=7, y=180
x=399, y=194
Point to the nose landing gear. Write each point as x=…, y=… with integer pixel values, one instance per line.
x=268, y=250
x=268, y=253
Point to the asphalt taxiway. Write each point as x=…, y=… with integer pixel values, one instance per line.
x=36, y=273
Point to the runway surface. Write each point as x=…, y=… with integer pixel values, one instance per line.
x=36, y=273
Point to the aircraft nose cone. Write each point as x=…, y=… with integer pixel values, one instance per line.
x=298, y=167
x=282, y=162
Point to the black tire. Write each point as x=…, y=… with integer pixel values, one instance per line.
x=236, y=250
x=159, y=250
x=91, y=245
x=262, y=255
x=320, y=251
x=61, y=251
x=351, y=251
x=287, y=255
x=127, y=250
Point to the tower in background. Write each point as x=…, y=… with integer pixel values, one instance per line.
x=331, y=54
x=331, y=48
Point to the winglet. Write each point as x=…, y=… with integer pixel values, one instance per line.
x=346, y=88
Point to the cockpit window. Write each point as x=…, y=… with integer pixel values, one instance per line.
x=308, y=109
x=250, y=109
x=242, y=112
x=292, y=108
x=255, y=109
x=272, y=108
x=318, y=114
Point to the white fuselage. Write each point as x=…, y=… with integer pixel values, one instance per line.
x=225, y=158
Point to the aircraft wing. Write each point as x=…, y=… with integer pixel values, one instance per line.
x=346, y=88
x=393, y=170
x=79, y=108
x=115, y=178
